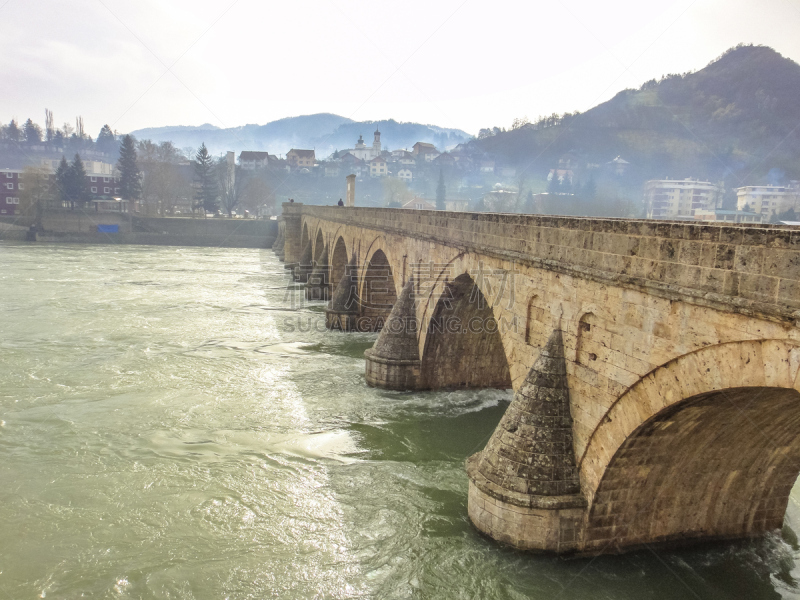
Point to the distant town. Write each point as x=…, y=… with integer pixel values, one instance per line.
x=64, y=168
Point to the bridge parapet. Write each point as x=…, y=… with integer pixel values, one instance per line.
x=752, y=269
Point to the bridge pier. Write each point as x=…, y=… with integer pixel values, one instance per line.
x=293, y=219
x=524, y=488
x=277, y=246
x=305, y=265
x=393, y=362
x=681, y=342
x=317, y=287
x=342, y=311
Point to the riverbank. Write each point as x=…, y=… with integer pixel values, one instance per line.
x=83, y=227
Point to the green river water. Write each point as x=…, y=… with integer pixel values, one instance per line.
x=172, y=425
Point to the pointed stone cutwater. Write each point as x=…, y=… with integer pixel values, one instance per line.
x=524, y=486
x=317, y=286
x=277, y=246
x=342, y=311
x=393, y=361
x=303, y=268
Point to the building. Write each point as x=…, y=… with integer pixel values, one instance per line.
x=251, y=160
x=101, y=179
x=618, y=166
x=768, y=200
x=300, y=159
x=422, y=149
x=10, y=186
x=419, y=204
x=674, y=198
x=444, y=160
x=377, y=167
x=727, y=216
x=364, y=152
x=405, y=174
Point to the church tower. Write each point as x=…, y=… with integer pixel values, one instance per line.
x=376, y=145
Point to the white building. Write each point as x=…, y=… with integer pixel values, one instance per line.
x=251, y=160
x=727, y=216
x=767, y=200
x=364, y=152
x=675, y=198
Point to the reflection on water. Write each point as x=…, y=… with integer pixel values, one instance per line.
x=167, y=431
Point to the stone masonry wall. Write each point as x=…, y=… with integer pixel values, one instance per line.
x=630, y=297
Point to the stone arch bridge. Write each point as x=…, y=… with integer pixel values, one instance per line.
x=655, y=365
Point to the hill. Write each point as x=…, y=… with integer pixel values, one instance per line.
x=734, y=120
x=324, y=132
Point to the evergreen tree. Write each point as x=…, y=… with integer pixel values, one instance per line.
x=441, y=193
x=62, y=181
x=106, y=141
x=13, y=132
x=32, y=132
x=77, y=186
x=130, y=181
x=206, y=194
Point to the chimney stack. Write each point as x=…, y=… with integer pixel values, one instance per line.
x=351, y=190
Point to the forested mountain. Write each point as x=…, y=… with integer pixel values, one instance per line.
x=323, y=132
x=737, y=119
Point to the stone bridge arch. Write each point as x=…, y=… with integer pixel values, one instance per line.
x=339, y=257
x=462, y=345
x=377, y=285
x=318, y=286
x=706, y=446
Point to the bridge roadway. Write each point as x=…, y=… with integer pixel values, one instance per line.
x=655, y=364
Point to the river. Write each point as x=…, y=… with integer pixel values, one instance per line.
x=175, y=423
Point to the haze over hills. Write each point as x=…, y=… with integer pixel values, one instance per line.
x=323, y=132
x=737, y=119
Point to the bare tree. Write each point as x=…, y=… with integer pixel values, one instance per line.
x=36, y=193
x=229, y=189
x=164, y=187
x=79, y=130
x=256, y=194
x=49, y=126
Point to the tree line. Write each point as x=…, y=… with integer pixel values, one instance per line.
x=67, y=137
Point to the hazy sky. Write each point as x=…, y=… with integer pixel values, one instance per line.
x=454, y=63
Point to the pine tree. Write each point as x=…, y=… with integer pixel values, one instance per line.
x=78, y=187
x=32, y=132
x=130, y=181
x=13, y=132
x=62, y=181
x=106, y=141
x=441, y=193
x=206, y=194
